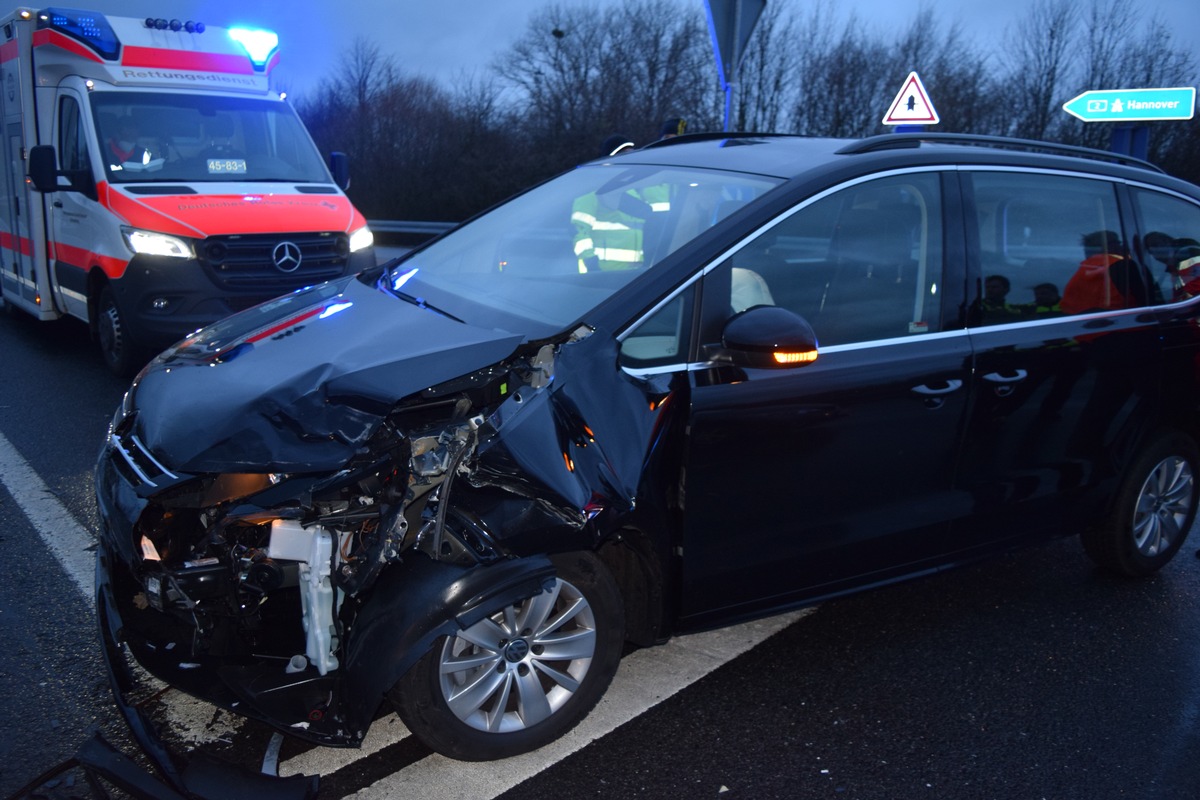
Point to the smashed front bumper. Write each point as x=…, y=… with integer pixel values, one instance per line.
x=413, y=602
x=200, y=777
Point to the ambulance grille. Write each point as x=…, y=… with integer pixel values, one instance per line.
x=268, y=262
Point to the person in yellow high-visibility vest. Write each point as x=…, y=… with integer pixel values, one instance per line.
x=607, y=237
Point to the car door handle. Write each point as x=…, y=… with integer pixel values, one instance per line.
x=1008, y=377
x=934, y=391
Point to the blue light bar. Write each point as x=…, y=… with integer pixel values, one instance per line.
x=258, y=43
x=85, y=26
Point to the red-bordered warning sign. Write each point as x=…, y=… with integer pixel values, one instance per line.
x=912, y=105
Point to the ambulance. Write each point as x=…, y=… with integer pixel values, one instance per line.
x=153, y=182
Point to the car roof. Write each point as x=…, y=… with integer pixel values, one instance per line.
x=788, y=156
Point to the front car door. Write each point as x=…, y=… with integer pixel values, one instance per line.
x=75, y=217
x=804, y=482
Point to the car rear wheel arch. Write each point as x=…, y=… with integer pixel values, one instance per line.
x=1151, y=510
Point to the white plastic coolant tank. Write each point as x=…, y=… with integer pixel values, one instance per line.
x=290, y=541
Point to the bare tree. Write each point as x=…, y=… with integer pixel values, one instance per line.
x=955, y=73
x=766, y=79
x=842, y=74
x=1041, y=47
x=580, y=73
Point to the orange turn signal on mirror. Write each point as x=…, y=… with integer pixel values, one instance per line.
x=802, y=357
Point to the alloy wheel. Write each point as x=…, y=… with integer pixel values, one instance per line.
x=515, y=669
x=1163, y=506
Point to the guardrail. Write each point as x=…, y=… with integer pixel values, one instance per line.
x=409, y=226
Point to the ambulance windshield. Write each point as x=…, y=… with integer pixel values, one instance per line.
x=151, y=137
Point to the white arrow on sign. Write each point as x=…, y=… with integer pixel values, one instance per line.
x=912, y=105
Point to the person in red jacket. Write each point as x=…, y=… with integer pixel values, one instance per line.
x=1092, y=287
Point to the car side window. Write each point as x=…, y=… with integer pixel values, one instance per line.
x=661, y=339
x=860, y=264
x=1170, y=242
x=1051, y=245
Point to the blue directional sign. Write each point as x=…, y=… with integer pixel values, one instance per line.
x=1133, y=105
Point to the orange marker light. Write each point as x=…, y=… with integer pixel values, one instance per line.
x=803, y=357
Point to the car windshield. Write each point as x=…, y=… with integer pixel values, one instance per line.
x=148, y=136
x=538, y=263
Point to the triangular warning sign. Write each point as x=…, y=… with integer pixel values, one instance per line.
x=912, y=105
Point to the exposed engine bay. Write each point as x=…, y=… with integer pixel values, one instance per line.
x=261, y=591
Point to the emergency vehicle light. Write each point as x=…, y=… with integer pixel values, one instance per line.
x=259, y=44
x=160, y=24
x=85, y=26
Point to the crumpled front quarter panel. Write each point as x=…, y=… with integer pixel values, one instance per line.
x=577, y=446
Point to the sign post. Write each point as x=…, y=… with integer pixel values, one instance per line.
x=730, y=22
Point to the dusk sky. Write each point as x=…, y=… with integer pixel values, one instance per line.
x=446, y=39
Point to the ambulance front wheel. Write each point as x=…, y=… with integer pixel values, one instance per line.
x=119, y=351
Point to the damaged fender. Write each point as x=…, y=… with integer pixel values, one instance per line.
x=419, y=600
x=567, y=461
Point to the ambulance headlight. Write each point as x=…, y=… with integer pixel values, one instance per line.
x=157, y=244
x=361, y=238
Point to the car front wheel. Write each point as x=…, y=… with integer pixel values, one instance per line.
x=522, y=677
x=1152, y=511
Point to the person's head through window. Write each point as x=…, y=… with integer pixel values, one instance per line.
x=1045, y=295
x=995, y=290
x=673, y=127
x=1160, y=247
x=123, y=144
x=1099, y=243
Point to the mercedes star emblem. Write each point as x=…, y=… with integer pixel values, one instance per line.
x=286, y=256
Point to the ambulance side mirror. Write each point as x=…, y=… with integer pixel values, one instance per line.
x=46, y=177
x=43, y=168
x=339, y=165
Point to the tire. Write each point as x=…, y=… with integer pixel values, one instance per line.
x=119, y=352
x=1152, y=511
x=509, y=694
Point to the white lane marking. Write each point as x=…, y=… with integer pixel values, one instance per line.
x=646, y=678
x=67, y=539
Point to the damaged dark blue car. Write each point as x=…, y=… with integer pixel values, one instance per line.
x=701, y=382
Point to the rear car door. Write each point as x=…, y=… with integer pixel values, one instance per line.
x=1067, y=351
x=807, y=481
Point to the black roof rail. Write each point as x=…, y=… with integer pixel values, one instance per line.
x=890, y=141
x=709, y=136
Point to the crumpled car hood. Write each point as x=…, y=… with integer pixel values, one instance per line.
x=299, y=384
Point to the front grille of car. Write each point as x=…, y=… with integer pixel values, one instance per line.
x=133, y=459
x=267, y=262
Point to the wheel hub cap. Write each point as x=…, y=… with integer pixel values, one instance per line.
x=516, y=650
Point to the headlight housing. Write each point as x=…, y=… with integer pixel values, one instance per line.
x=361, y=238
x=151, y=243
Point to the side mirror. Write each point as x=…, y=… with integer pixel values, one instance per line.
x=768, y=337
x=44, y=174
x=339, y=165
x=43, y=168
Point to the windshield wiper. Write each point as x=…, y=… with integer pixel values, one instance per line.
x=419, y=302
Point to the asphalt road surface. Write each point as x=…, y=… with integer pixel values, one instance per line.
x=1028, y=676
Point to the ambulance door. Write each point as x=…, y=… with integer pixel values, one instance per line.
x=18, y=283
x=75, y=217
